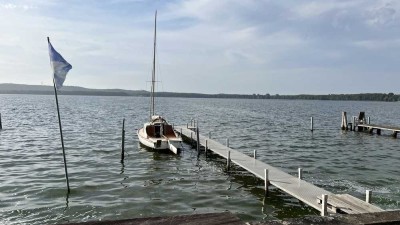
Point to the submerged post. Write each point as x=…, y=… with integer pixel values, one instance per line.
x=300, y=173
x=312, y=124
x=344, y=121
x=228, y=161
x=209, y=135
x=227, y=142
x=255, y=154
x=324, y=210
x=266, y=181
x=123, y=142
x=368, y=195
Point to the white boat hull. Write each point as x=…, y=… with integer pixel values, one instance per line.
x=163, y=143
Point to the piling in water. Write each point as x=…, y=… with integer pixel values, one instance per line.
x=300, y=173
x=324, y=210
x=266, y=181
x=1, y=125
x=312, y=124
x=368, y=195
x=198, y=141
x=123, y=142
x=205, y=150
x=228, y=160
x=344, y=121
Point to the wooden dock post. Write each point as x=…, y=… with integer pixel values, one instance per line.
x=209, y=135
x=394, y=134
x=378, y=131
x=324, y=210
x=344, y=121
x=266, y=181
x=228, y=160
x=191, y=139
x=187, y=125
x=205, y=150
x=227, y=142
x=312, y=124
x=300, y=173
x=354, y=123
x=181, y=133
x=123, y=142
x=198, y=141
x=255, y=154
x=368, y=120
x=1, y=125
x=368, y=195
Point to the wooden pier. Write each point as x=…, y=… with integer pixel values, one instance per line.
x=371, y=127
x=361, y=123
x=318, y=198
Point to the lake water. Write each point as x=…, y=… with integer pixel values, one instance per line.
x=32, y=180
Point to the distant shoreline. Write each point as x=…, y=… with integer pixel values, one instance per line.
x=72, y=90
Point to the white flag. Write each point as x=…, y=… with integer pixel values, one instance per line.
x=60, y=66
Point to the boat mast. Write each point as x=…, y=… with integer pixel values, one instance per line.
x=153, y=79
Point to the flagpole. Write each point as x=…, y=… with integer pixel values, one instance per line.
x=61, y=134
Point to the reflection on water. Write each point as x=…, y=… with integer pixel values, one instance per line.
x=32, y=180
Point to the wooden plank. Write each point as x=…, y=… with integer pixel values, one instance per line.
x=349, y=204
x=369, y=208
x=300, y=189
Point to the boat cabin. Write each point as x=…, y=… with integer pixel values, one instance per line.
x=159, y=128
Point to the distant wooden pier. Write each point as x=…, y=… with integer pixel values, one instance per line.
x=371, y=127
x=360, y=123
x=318, y=198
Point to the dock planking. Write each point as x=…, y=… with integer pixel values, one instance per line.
x=300, y=189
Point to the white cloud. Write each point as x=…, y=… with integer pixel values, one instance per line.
x=383, y=13
x=379, y=45
x=313, y=9
x=12, y=6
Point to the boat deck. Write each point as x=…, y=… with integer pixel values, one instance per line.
x=298, y=188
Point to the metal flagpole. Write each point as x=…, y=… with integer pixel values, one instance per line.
x=59, y=123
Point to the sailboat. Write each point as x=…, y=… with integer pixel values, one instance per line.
x=157, y=134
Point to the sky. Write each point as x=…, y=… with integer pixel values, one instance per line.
x=207, y=46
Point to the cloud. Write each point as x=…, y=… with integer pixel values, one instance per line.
x=13, y=6
x=383, y=13
x=257, y=42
